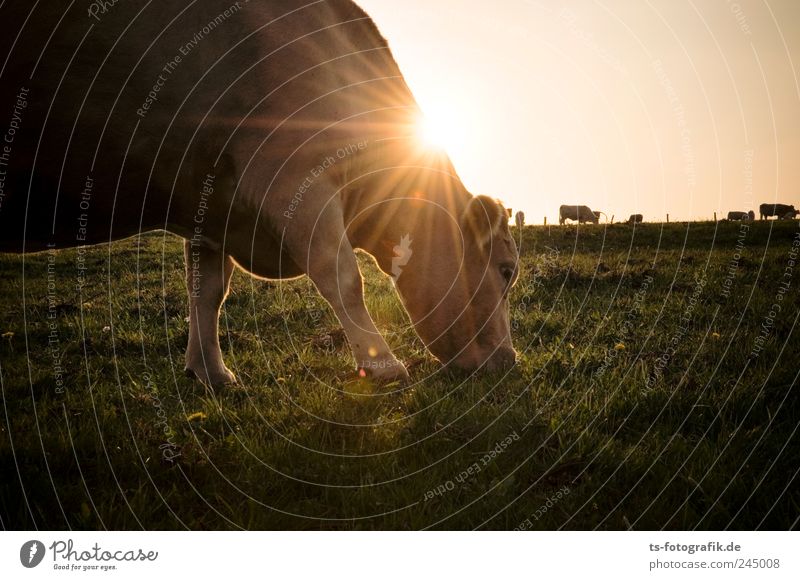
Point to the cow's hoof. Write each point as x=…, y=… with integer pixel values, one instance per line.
x=216, y=380
x=386, y=372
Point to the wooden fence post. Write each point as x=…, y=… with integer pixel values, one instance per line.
x=667, y=218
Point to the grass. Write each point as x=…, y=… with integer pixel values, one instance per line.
x=637, y=401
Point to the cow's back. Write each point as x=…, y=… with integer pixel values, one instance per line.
x=126, y=113
x=775, y=209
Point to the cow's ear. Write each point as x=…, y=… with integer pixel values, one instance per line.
x=482, y=218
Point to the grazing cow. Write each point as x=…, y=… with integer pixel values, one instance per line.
x=519, y=219
x=779, y=210
x=273, y=136
x=636, y=218
x=790, y=215
x=578, y=213
x=741, y=216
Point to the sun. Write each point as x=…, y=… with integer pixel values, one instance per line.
x=442, y=130
x=432, y=133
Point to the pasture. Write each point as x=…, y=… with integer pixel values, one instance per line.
x=653, y=390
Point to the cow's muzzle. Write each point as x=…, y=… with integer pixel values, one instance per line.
x=501, y=359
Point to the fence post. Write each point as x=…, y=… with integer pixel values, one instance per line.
x=667, y=218
x=545, y=220
x=715, y=216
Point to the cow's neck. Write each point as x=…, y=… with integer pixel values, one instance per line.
x=401, y=200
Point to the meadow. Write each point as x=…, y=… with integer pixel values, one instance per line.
x=656, y=388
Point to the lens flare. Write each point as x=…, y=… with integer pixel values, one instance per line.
x=441, y=130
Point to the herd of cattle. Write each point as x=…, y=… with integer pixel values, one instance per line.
x=583, y=214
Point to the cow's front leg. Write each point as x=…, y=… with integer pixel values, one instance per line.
x=338, y=279
x=208, y=275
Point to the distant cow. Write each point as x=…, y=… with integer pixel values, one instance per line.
x=636, y=218
x=519, y=219
x=741, y=216
x=577, y=213
x=778, y=210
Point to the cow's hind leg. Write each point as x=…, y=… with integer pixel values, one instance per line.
x=208, y=275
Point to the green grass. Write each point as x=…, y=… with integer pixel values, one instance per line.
x=596, y=436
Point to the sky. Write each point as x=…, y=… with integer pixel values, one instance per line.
x=686, y=107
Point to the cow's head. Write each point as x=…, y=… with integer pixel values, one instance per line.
x=455, y=286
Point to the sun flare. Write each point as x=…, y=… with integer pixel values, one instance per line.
x=441, y=130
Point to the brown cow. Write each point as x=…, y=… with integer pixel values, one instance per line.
x=779, y=210
x=741, y=215
x=273, y=136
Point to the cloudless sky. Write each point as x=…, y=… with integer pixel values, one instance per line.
x=628, y=106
